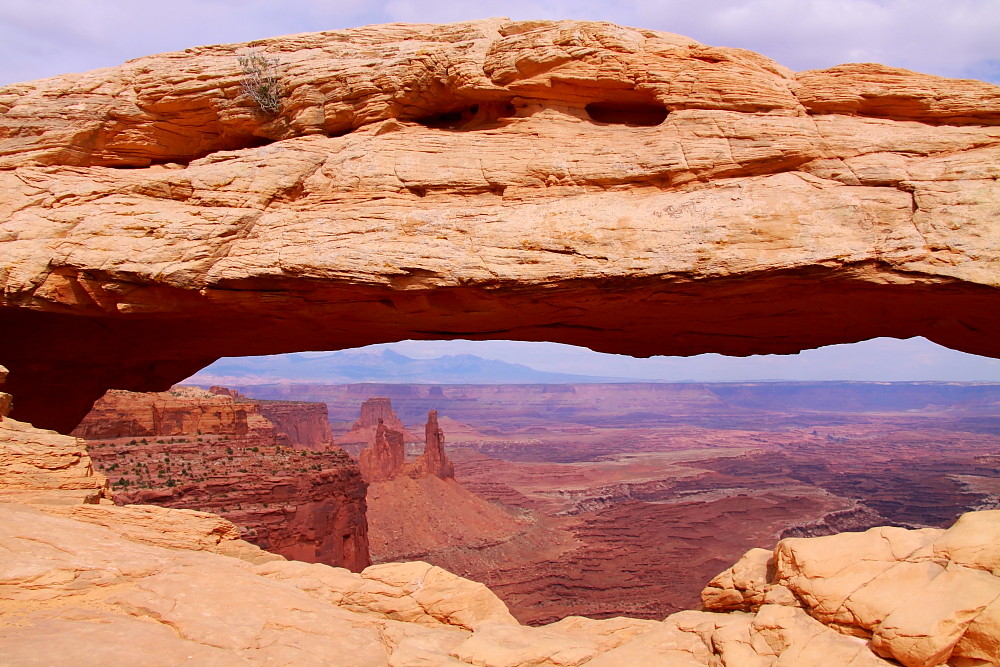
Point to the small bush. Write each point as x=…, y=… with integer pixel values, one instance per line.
x=260, y=80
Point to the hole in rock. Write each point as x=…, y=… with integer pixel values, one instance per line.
x=624, y=113
x=578, y=473
x=223, y=143
x=473, y=116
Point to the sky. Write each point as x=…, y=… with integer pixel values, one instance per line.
x=880, y=359
x=956, y=38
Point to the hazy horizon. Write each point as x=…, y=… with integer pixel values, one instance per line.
x=877, y=360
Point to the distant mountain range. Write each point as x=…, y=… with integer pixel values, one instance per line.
x=383, y=365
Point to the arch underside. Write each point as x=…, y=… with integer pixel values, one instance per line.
x=60, y=363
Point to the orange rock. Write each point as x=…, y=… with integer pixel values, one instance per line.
x=385, y=458
x=923, y=597
x=434, y=460
x=448, y=181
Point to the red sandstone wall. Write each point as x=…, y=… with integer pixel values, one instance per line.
x=303, y=425
x=284, y=483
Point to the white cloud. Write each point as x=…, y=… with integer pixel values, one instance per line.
x=950, y=38
x=953, y=38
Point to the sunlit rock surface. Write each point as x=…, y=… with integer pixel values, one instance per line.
x=620, y=188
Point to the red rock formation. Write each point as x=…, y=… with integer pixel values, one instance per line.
x=224, y=391
x=299, y=425
x=289, y=489
x=435, y=461
x=385, y=458
x=373, y=411
x=304, y=506
x=758, y=210
x=180, y=411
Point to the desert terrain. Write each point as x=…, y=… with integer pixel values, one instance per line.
x=631, y=496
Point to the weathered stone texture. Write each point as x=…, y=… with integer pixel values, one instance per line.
x=633, y=191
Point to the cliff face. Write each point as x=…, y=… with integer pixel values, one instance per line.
x=308, y=508
x=287, y=487
x=446, y=181
x=299, y=425
x=180, y=411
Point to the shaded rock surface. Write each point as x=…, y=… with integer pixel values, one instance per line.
x=580, y=182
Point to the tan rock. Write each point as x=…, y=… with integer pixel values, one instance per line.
x=490, y=178
x=351, y=591
x=606, y=633
x=972, y=541
x=169, y=528
x=742, y=587
x=899, y=588
x=443, y=595
x=505, y=645
x=683, y=639
x=45, y=467
x=89, y=638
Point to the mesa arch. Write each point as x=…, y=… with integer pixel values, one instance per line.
x=623, y=189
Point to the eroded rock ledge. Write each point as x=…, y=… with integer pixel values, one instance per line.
x=77, y=575
x=623, y=189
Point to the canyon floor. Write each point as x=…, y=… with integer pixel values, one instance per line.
x=626, y=499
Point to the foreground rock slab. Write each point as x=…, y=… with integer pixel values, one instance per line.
x=619, y=188
x=95, y=584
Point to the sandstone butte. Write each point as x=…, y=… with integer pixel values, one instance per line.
x=85, y=582
x=625, y=189
x=416, y=510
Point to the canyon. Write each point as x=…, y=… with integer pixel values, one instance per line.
x=283, y=482
x=594, y=500
x=623, y=499
x=182, y=586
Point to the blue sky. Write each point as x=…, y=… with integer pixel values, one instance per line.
x=958, y=38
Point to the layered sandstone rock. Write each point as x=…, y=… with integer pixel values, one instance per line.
x=43, y=466
x=434, y=460
x=364, y=431
x=385, y=458
x=922, y=597
x=180, y=411
x=283, y=483
x=186, y=410
x=580, y=182
x=299, y=425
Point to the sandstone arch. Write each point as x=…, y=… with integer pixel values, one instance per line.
x=152, y=219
